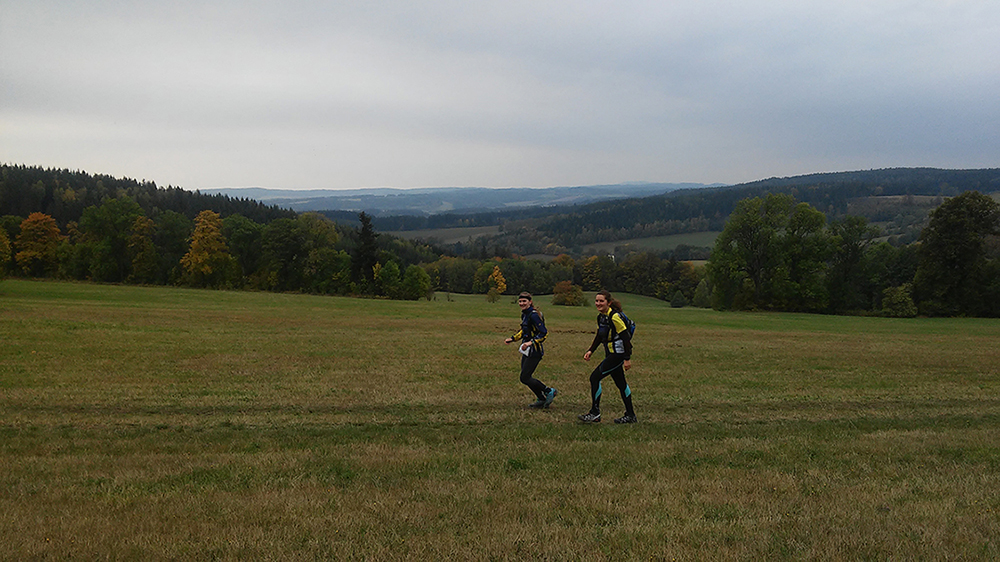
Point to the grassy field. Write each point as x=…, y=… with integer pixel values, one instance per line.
x=659, y=243
x=163, y=423
x=447, y=235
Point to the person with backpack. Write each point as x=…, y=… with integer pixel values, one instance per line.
x=614, y=330
x=532, y=334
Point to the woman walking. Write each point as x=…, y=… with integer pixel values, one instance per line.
x=617, y=339
x=532, y=334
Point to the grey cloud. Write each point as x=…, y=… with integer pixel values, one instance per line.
x=353, y=94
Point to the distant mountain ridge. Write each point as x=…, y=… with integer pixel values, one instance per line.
x=430, y=201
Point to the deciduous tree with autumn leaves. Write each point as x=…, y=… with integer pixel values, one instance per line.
x=208, y=262
x=37, y=245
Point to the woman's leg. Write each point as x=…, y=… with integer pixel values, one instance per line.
x=607, y=367
x=528, y=365
x=618, y=375
x=595, y=389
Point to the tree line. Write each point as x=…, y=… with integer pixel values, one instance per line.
x=117, y=242
x=777, y=254
x=71, y=225
x=774, y=253
x=64, y=194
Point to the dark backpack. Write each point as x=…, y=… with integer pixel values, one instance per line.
x=629, y=324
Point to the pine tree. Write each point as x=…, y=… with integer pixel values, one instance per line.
x=366, y=254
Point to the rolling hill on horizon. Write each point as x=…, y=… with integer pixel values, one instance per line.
x=897, y=199
x=430, y=201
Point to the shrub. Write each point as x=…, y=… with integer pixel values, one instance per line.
x=567, y=294
x=897, y=302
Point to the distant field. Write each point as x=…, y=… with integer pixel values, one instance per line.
x=446, y=235
x=166, y=423
x=655, y=244
x=660, y=243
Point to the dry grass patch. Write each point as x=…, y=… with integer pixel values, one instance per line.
x=166, y=423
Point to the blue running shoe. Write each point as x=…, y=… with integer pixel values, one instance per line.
x=549, y=397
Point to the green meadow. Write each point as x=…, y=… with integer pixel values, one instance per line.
x=447, y=235
x=167, y=423
x=659, y=243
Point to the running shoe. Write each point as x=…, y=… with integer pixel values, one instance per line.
x=550, y=396
x=540, y=403
x=627, y=419
x=590, y=417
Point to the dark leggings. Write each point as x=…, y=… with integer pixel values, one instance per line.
x=612, y=365
x=528, y=365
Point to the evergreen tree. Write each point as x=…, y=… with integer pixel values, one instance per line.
x=365, y=254
x=702, y=295
x=679, y=300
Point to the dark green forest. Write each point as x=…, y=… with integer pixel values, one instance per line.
x=64, y=194
x=897, y=242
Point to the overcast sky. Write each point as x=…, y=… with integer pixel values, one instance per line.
x=311, y=95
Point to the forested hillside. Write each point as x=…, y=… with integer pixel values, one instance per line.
x=807, y=245
x=74, y=225
x=697, y=210
x=64, y=194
